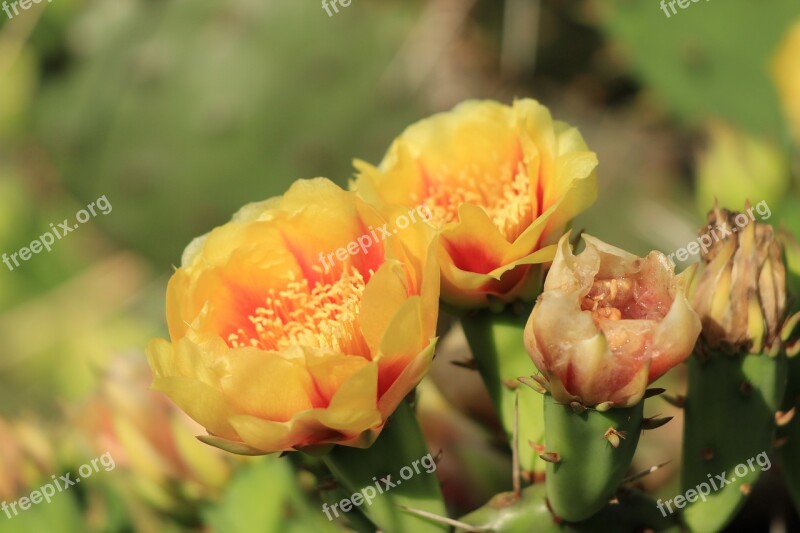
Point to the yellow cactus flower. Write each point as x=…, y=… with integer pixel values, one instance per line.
x=502, y=182
x=609, y=323
x=299, y=324
x=786, y=73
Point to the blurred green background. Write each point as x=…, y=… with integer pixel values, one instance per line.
x=179, y=112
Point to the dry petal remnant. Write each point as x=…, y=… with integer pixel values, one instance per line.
x=323, y=316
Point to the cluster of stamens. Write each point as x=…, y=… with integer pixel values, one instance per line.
x=504, y=194
x=323, y=316
x=606, y=298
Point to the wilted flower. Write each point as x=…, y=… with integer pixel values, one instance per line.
x=501, y=182
x=608, y=323
x=273, y=349
x=740, y=289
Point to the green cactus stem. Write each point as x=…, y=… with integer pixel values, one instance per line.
x=496, y=341
x=788, y=442
x=376, y=474
x=594, y=450
x=730, y=419
x=530, y=513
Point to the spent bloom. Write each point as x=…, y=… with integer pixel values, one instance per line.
x=609, y=323
x=502, y=182
x=271, y=352
x=740, y=289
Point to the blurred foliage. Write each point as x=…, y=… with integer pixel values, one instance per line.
x=708, y=60
x=725, y=170
x=266, y=497
x=153, y=442
x=171, y=105
x=17, y=93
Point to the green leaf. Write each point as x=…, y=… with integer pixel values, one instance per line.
x=708, y=60
x=266, y=497
x=61, y=515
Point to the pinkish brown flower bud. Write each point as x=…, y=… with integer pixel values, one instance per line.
x=608, y=323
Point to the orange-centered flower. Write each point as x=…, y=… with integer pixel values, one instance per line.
x=609, y=323
x=501, y=182
x=298, y=324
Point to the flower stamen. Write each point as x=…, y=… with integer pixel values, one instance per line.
x=504, y=194
x=322, y=316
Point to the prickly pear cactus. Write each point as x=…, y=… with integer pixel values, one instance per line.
x=507, y=513
x=730, y=419
x=737, y=376
x=496, y=343
x=588, y=453
x=788, y=442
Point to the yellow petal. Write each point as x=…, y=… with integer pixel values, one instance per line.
x=262, y=434
x=331, y=371
x=354, y=408
x=384, y=295
x=410, y=377
x=205, y=404
x=268, y=385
